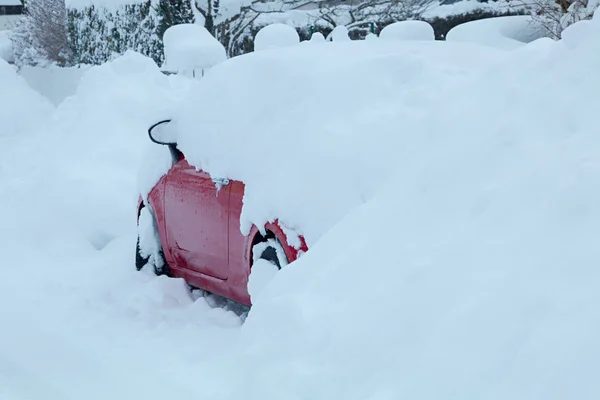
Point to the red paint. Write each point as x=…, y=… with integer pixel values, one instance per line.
x=199, y=228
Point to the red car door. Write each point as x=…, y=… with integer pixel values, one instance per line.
x=196, y=216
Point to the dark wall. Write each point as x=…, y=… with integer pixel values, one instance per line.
x=11, y=10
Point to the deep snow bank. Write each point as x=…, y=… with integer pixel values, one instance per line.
x=314, y=130
x=474, y=273
x=82, y=161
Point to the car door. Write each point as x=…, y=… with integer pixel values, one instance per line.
x=196, y=216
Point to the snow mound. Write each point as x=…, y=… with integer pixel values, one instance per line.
x=500, y=32
x=274, y=36
x=309, y=145
x=317, y=37
x=190, y=47
x=473, y=273
x=408, y=30
x=340, y=34
x=16, y=96
x=6, y=50
x=102, y=130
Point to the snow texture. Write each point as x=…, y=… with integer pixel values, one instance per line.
x=339, y=34
x=449, y=192
x=501, y=32
x=408, y=30
x=6, y=49
x=274, y=36
x=477, y=258
x=54, y=83
x=357, y=94
x=15, y=97
x=190, y=47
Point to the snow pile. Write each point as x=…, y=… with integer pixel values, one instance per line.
x=317, y=37
x=408, y=30
x=474, y=272
x=274, y=36
x=340, y=34
x=6, y=50
x=15, y=98
x=93, y=144
x=316, y=128
x=501, y=32
x=190, y=47
x=79, y=319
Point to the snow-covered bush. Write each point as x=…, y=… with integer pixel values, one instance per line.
x=189, y=47
x=554, y=16
x=40, y=36
x=98, y=34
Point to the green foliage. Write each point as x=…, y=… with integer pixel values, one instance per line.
x=173, y=12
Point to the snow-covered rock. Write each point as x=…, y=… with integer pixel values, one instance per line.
x=191, y=47
x=408, y=30
x=275, y=36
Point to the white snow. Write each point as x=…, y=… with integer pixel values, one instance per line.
x=473, y=272
x=15, y=98
x=317, y=37
x=408, y=30
x=501, y=32
x=54, y=83
x=6, y=50
x=339, y=34
x=275, y=36
x=449, y=192
x=343, y=106
x=191, y=47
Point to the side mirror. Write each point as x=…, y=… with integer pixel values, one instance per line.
x=161, y=133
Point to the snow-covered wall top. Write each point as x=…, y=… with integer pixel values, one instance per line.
x=10, y=3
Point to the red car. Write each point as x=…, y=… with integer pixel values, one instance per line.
x=197, y=221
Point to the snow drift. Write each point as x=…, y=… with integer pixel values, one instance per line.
x=315, y=129
x=474, y=272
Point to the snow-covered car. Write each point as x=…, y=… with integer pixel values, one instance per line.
x=273, y=148
x=197, y=218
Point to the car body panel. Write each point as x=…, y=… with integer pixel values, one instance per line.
x=199, y=228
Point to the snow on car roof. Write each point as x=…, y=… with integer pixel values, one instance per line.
x=314, y=129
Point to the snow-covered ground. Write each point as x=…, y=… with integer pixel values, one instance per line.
x=465, y=268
